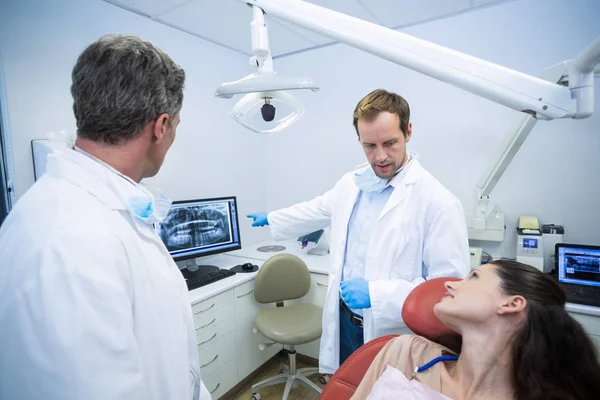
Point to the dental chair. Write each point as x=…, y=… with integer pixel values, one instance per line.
x=417, y=313
x=286, y=277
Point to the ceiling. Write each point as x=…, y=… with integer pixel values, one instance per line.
x=227, y=22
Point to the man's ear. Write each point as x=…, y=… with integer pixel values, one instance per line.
x=512, y=305
x=408, y=132
x=161, y=127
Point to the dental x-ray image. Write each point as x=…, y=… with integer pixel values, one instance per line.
x=195, y=226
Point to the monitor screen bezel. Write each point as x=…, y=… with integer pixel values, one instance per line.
x=557, y=247
x=217, y=251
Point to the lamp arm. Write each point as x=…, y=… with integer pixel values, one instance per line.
x=519, y=91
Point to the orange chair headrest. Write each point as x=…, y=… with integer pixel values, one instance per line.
x=417, y=311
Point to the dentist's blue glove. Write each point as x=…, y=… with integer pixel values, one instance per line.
x=260, y=219
x=355, y=293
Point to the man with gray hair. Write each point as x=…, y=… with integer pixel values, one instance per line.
x=92, y=306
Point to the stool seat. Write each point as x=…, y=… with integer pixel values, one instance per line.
x=295, y=324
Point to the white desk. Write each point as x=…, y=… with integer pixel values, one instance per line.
x=224, y=314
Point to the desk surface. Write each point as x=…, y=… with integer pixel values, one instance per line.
x=316, y=264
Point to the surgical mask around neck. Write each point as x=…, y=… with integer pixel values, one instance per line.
x=367, y=181
x=148, y=207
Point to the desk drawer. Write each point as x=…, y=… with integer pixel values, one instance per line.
x=590, y=323
x=211, y=319
x=222, y=380
x=214, y=333
x=213, y=357
x=212, y=304
x=244, y=290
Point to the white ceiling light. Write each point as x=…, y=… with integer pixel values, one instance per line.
x=272, y=104
x=264, y=90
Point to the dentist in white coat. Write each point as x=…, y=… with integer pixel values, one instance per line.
x=92, y=306
x=393, y=226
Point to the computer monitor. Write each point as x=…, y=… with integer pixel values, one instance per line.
x=196, y=228
x=578, y=264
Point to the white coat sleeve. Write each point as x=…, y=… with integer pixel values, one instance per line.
x=69, y=335
x=302, y=218
x=445, y=253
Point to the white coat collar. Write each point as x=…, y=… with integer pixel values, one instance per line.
x=402, y=185
x=93, y=177
x=407, y=175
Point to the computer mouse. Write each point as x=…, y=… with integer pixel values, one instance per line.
x=248, y=266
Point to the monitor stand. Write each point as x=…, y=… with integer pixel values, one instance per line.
x=189, y=268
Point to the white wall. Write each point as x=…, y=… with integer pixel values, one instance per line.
x=554, y=175
x=212, y=155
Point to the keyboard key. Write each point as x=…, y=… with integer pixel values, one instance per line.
x=208, y=278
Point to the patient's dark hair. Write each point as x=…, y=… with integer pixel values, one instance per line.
x=553, y=357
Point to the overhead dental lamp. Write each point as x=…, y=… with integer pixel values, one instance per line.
x=266, y=106
x=564, y=90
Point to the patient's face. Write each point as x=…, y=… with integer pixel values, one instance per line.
x=474, y=300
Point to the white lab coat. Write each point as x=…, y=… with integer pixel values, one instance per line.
x=91, y=304
x=420, y=234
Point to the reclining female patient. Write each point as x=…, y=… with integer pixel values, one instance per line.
x=518, y=342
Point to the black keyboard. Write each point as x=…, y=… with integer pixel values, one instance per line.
x=204, y=279
x=584, y=291
x=588, y=295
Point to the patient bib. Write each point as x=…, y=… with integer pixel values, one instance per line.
x=392, y=384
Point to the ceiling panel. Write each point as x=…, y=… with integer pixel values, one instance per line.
x=350, y=7
x=395, y=13
x=149, y=7
x=227, y=22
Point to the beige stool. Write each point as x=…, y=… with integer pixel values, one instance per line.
x=286, y=277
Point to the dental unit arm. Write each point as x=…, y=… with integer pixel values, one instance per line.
x=565, y=90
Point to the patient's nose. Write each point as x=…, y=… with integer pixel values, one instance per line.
x=450, y=285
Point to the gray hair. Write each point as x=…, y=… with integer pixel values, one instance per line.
x=120, y=84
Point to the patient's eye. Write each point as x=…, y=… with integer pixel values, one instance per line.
x=474, y=274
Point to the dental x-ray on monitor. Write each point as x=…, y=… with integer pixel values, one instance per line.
x=196, y=228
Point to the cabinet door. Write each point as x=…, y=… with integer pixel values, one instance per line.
x=316, y=295
x=591, y=324
x=222, y=380
x=250, y=357
x=319, y=286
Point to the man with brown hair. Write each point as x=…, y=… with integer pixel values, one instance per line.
x=393, y=226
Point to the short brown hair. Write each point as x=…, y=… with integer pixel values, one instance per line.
x=381, y=100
